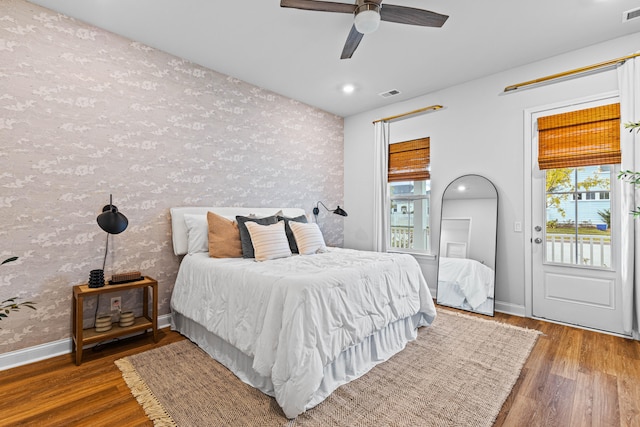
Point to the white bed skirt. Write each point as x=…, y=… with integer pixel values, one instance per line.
x=349, y=365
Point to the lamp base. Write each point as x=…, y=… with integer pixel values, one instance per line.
x=96, y=279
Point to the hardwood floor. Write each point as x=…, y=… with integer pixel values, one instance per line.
x=572, y=378
x=56, y=392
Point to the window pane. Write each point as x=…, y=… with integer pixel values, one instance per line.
x=578, y=230
x=409, y=215
x=408, y=188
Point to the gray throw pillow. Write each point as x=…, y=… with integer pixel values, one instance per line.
x=245, y=237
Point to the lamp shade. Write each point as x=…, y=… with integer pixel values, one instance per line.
x=340, y=211
x=337, y=211
x=112, y=221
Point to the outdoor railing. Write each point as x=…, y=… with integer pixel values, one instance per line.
x=402, y=237
x=582, y=249
x=591, y=250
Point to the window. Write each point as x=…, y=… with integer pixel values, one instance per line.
x=409, y=190
x=578, y=152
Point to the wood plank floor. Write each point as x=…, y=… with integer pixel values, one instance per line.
x=572, y=378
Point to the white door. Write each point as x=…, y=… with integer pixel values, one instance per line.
x=574, y=249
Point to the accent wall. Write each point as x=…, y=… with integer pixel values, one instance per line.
x=85, y=113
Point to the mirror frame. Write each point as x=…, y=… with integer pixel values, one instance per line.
x=442, y=207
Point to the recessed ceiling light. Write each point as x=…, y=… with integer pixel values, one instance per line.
x=348, y=88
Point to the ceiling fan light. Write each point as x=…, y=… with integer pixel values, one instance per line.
x=367, y=21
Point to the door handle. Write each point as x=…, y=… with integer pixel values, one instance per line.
x=538, y=228
x=538, y=240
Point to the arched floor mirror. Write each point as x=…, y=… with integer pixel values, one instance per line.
x=467, y=254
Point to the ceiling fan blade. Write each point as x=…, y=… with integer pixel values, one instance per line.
x=322, y=6
x=412, y=16
x=350, y=46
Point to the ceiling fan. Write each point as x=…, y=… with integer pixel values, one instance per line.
x=368, y=14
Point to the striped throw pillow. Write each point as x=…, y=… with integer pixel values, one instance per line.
x=269, y=241
x=308, y=238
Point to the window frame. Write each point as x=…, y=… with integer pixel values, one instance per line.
x=414, y=176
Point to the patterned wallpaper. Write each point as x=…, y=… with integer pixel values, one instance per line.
x=85, y=113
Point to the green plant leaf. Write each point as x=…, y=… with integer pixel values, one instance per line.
x=13, y=258
x=632, y=125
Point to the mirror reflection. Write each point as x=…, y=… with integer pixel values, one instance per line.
x=468, y=225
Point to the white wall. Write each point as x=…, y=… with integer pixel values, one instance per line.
x=480, y=131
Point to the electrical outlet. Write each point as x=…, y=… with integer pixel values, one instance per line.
x=116, y=303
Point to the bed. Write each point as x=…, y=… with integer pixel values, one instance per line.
x=465, y=283
x=300, y=326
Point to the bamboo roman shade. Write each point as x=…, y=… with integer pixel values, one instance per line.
x=409, y=160
x=580, y=138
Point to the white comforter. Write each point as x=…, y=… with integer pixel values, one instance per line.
x=474, y=278
x=295, y=315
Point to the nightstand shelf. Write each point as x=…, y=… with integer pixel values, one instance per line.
x=148, y=320
x=90, y=336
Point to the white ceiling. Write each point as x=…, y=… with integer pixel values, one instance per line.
x=296, y=53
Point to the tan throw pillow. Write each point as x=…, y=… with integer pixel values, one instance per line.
x=224, y=237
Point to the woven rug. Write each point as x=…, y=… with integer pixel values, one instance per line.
x=458, y=372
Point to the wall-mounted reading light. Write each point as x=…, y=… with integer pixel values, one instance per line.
x=337, y=211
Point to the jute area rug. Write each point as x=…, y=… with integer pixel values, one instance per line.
x=458, y=372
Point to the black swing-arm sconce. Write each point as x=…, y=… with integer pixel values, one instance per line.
x=337, y=211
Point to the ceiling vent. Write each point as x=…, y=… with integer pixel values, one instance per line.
x=390, y=93
x=631, y=14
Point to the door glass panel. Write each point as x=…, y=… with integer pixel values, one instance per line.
x=578, y=216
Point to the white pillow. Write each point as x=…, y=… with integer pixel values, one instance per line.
x=197, y=233
x=308, y=238
x=269, y=241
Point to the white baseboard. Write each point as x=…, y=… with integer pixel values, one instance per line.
x=503, y=307
x=509, y=308
x=58, y=348
x=28, y=355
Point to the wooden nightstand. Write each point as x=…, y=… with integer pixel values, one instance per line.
x=82, y=337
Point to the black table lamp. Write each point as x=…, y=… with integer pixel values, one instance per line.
x=113, y=222
x=337, y=211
